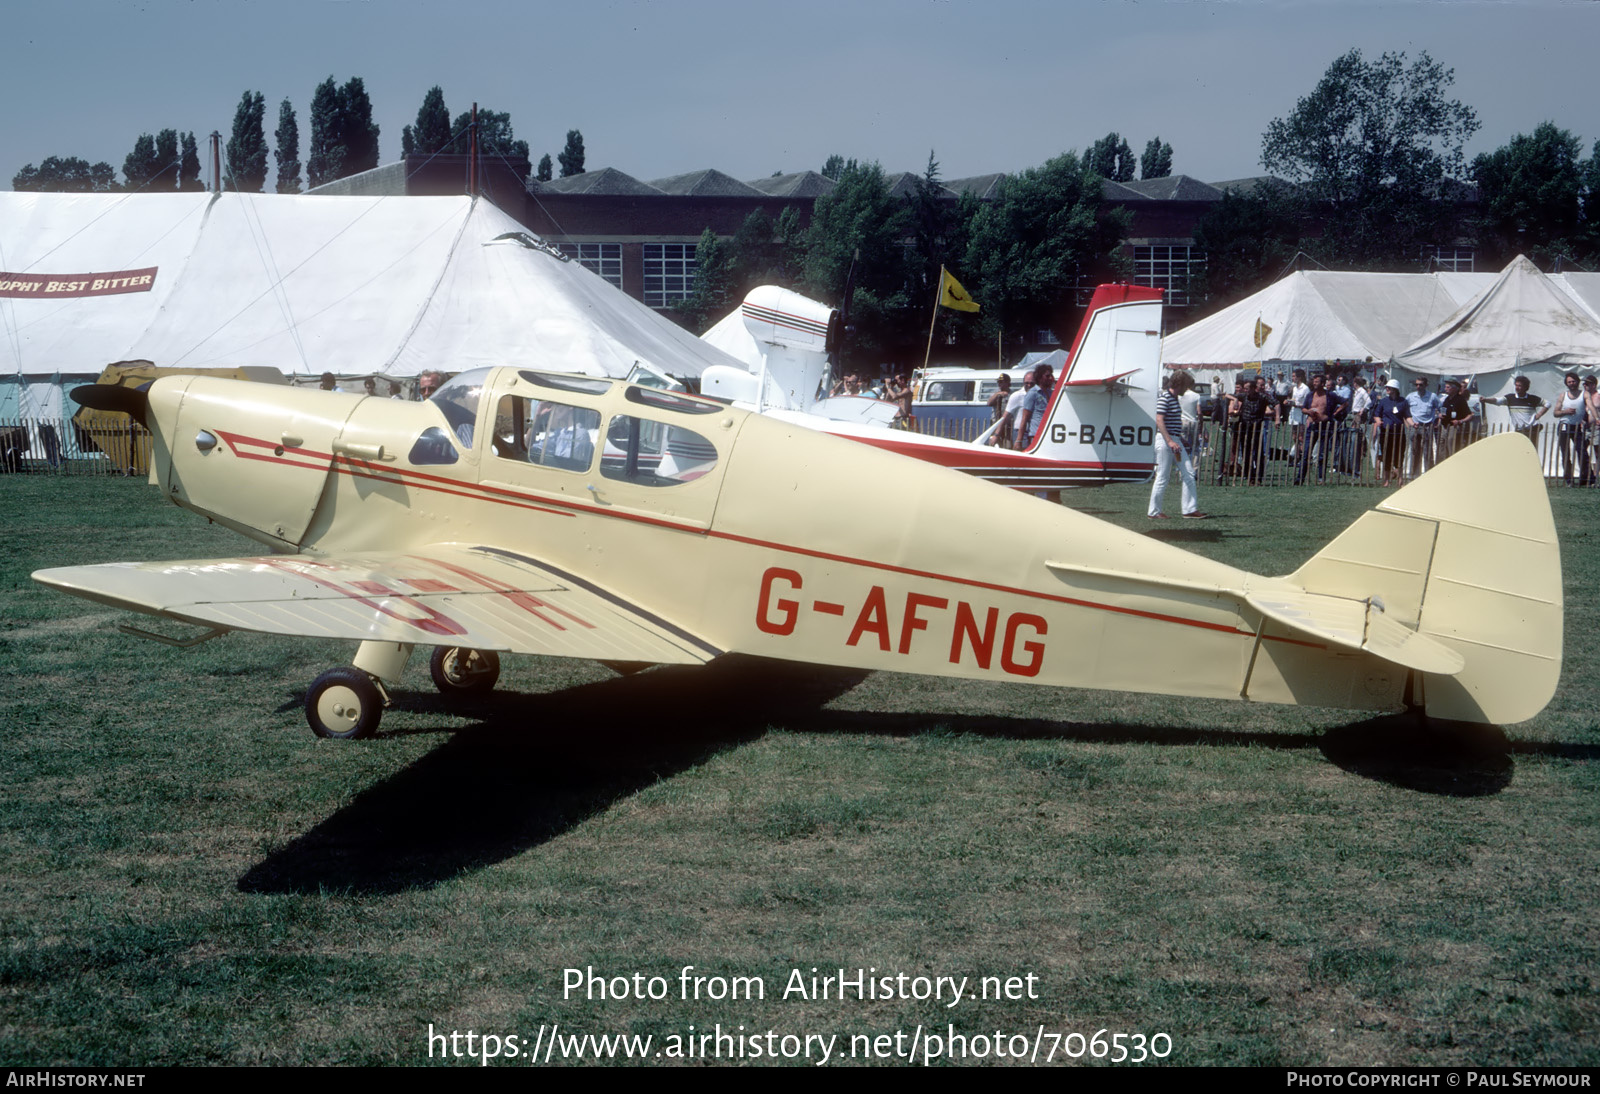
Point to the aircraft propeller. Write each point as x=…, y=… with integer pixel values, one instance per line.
x=134, y=402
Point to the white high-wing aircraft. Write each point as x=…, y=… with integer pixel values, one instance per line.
x=522, y=511
x=1099, y=427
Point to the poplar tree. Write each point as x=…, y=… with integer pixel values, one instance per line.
x=287, y=136
x=1110, y=158
x=357, y=132
x=189, y=165
x=324, y=155
x=140, y=165
x=572, y=155
x=432, y=132
x=344, y=138
x=1156, y=163
x=247, y=148
x=166, y=174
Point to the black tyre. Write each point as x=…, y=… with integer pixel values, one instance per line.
x=344, y=704
x=459, y=671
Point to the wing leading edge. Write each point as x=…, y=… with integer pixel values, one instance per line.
x=443, y=594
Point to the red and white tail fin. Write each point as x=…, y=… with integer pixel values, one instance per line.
x=1103, y=409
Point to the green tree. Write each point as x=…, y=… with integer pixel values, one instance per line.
x=1111, y=158
x=861, y=216
x=1156, y=163
x=324, y=154
x=358, y=133
x=140, y=165
x=761, y=252
x=1042, y=236
x=246, y=156
x=432, y=132
x=789, y=236
x=938, y=239
x=287, y=136
x=1248, y=238
x=713, y=284
x=495, y=136
x=167, y=161
x=1530, y=194
x=1372, y=149
x=67, y=174
x=571, y=156
x=344, y=138
x=546, y=168
x=1591, y=200
x=189, y=165
x=833, y=167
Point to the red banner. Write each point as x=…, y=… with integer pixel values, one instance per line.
x=57, y=286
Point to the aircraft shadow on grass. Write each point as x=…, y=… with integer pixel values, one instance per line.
x=535, y=767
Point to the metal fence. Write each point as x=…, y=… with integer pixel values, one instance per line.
x=61, y=446
x=1279, y=454
x=1233, y=455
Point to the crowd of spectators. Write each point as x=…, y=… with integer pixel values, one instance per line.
x=1333, y=419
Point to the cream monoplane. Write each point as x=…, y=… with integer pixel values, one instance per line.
x=523, y=511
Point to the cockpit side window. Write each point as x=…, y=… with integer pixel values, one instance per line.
x=545, y=432
x=458, y=401
x=433, y=446
x=651, y=453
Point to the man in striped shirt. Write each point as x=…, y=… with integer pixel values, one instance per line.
x=1170, y=449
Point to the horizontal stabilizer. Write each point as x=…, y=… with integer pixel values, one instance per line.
x=1357, y=625
x=1102, y=381
x=1343, y=621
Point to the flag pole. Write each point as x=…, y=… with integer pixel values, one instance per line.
x=937, y=295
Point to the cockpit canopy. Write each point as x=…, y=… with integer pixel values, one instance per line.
x=458, y=400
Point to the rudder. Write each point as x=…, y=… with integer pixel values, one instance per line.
x=1466, y=555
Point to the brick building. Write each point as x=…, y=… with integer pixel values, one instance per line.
x=641, y=235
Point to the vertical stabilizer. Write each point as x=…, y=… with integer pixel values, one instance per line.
x=1103, y=409
x=1466, y=555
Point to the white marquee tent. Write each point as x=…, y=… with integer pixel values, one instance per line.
x=1525, y=321
x=303, y=284
x=1322, y=315
x=1482, y=327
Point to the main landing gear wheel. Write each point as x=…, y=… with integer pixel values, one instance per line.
x=344, y=704
x=458, y=671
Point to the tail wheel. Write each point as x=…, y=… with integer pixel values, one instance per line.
x=344, y=704
x=458, y=671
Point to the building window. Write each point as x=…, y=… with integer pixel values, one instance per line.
x=668, y=273
x=1044, y=336
x=1453, y=259
x=604, y=259
x=1169, y=268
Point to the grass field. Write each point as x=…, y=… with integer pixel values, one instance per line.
x=188, y=876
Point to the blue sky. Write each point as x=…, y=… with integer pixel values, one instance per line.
x=751, y=88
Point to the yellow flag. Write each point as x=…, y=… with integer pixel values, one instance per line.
x=952, y=295
x=1262, y=330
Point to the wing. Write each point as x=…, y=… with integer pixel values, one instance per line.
x=443, y=594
